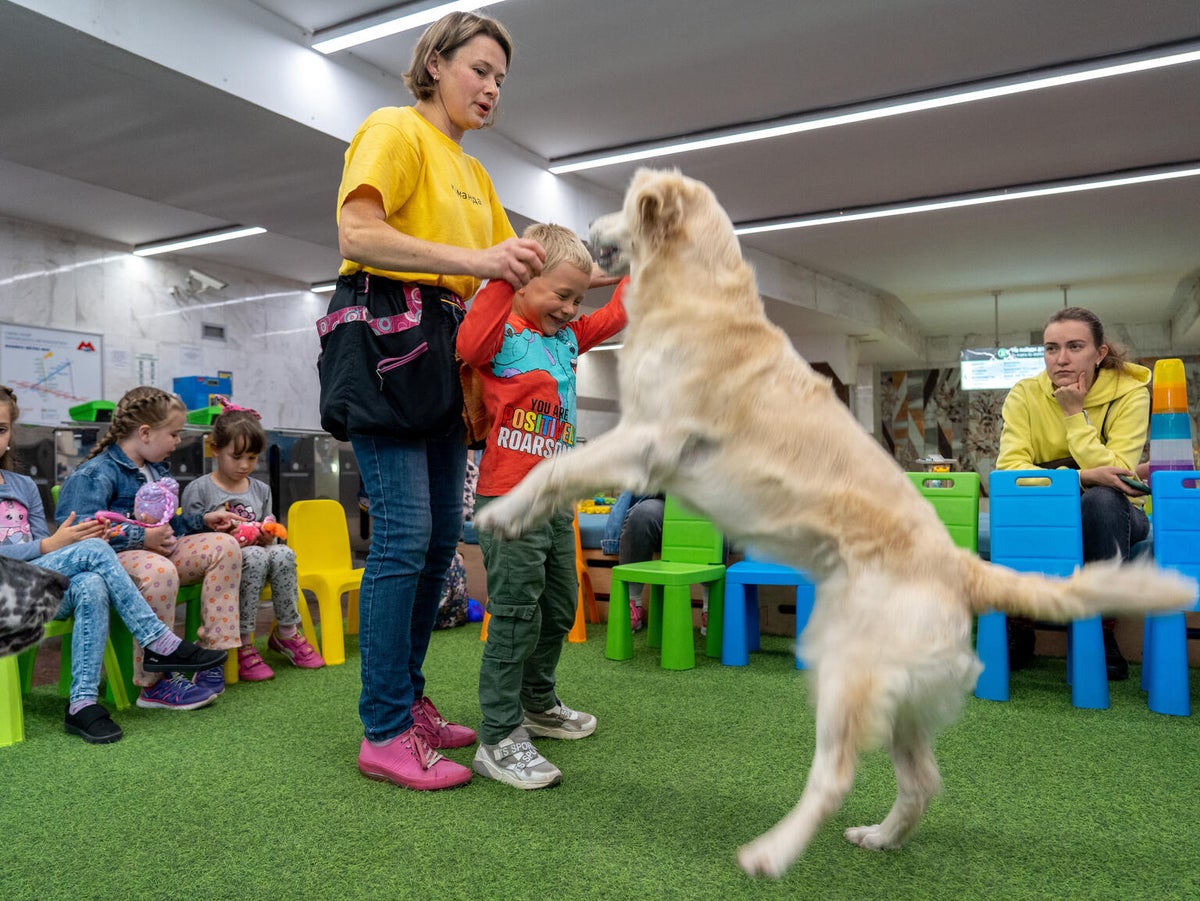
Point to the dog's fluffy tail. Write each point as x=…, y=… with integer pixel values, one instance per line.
x=1098, y=588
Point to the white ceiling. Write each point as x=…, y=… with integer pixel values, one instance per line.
x=98, y=139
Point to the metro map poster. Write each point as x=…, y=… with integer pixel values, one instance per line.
x=50, y=370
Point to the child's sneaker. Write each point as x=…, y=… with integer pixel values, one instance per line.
x=560, y=721
x=635, y=616
x=437, y=731
x=516, y=762
x=407, y=760
x=251, y=666
x=175, y=693
x=187, y=658
x=296, y=649
x=212, y=680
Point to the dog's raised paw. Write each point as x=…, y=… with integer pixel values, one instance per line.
x=496, y=519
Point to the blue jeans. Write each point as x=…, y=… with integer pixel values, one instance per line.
x=415, y=488
x=1111, y=525
x=97, y=578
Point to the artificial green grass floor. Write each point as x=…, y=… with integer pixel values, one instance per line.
x=259, y=797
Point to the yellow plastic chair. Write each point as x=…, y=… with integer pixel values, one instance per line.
x=693, y=552
x=16, y=678
x=318, y=533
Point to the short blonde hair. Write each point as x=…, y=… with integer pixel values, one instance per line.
x=561, y=245
x=444, y=37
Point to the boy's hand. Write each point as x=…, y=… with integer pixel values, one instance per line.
x=71, y=532
x=601, y=279
x=517, y=261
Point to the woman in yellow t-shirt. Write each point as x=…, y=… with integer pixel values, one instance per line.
x=419, y=227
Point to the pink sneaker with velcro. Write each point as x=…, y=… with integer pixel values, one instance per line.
x=251, y=666
x=296, y=649
x=408, y=761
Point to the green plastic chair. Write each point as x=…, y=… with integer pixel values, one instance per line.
x=955, y=497
x=692, y=553
x=16, y=679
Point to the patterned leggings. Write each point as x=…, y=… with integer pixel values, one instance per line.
x=211, y=559
x=275, y=563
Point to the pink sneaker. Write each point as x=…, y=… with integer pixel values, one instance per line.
x=407, y=760
x=297, y=650
x=635, y=616
x=434, y=728
x=251, y=666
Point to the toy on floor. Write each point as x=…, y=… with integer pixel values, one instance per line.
x=153, y=505
x=248, y=533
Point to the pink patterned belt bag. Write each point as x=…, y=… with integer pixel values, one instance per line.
x=387, y=362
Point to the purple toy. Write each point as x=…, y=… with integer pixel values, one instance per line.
x=153, y=505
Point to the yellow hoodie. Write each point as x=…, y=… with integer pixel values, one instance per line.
x=1111, y=430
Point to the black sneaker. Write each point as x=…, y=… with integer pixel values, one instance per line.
x=1021, y=642
x=187, y=658
x=93, y=725
x=1114, y=660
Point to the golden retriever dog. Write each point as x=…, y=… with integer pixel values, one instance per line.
x=718, y=409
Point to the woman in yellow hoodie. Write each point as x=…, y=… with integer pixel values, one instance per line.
x=1090, y=410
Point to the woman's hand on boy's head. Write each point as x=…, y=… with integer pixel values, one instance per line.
x=517, y=261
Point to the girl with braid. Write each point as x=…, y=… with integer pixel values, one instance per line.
x=185, y=551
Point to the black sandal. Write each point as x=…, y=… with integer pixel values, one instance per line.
x=93, y=725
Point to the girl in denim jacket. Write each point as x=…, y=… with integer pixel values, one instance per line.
x=187, y=550
x=77, y=550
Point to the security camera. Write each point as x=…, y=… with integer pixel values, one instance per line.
x=205, y=281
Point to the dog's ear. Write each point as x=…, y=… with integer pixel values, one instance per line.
x=660, y=210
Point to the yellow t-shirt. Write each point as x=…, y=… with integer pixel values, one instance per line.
x=431, y=189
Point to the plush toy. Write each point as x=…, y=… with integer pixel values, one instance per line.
x=153, y=505
x=247, y=533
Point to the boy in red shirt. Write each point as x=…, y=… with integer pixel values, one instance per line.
x=526, y=348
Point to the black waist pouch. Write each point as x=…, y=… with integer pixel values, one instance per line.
x=387, y=363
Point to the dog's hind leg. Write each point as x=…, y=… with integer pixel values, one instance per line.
x=917, y=780
x=844, y=726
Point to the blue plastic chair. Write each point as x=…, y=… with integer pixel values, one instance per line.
x=1177, y=546
x=1036, y=527
x=741, y=632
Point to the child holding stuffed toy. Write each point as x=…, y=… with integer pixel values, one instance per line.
x=77, y=550
x=186, y=550
x=236, y=440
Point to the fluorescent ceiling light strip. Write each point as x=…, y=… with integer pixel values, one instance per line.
x=948, y=203
x=863, y=113
x=197, y=240
x=323, y=287
x=394, y=21
x=608, y=347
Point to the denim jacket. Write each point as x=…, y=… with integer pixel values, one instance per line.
x=109, y=481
